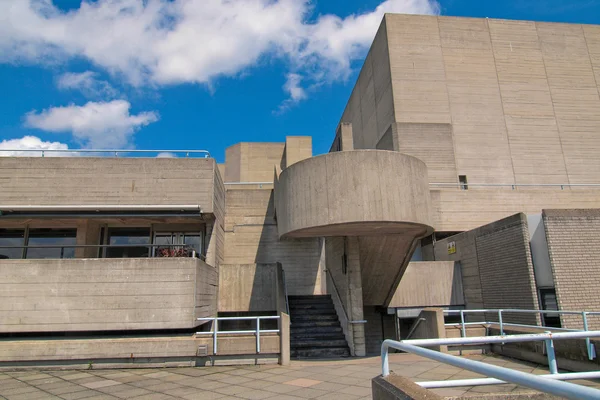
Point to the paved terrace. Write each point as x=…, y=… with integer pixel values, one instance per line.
x=344, y=379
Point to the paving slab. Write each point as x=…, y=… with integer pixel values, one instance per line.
x=320, y=379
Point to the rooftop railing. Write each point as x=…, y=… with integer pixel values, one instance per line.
x=106, y=152
x=513, y=186
x=465, y=186
x=551, y=383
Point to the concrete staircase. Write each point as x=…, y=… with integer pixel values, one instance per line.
x=315, y=331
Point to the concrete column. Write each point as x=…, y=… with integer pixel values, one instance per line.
x=355, y=295
x=297, y=148
x=323, y=265
x=344, y=131
x=88, y=232
x=211, y=244
x=284, y=339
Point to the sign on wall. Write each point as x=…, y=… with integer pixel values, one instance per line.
x=451, y=247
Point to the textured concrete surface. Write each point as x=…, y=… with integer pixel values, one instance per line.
x=347, y=379
x=353, y=193
x=574, y=249
x=495, y=257
x=105, y=294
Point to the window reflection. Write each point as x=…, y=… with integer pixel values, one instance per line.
x=125, y=236
x=11, y=237
x=51, y=237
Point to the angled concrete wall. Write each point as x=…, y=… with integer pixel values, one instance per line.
x=430, y=284
x=497, y=268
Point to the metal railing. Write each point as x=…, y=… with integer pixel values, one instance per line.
x=414, y=327
x=285, y=292
x=552, y=385
x=465, y=186
x=501, y=322
x=260, y=184
x=337, y=293
x=513, y=186
x=115, y=152
x=171, y=250
x=257, y=332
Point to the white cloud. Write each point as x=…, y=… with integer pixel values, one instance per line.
x=168, y=42
x=31, y=143
x=87, y=84
x=293, y=88
x=166, y=154
x=95, y=124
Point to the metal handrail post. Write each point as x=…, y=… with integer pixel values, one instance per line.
x=588, y=343
x=462, y=323
x=551, y=355
x=500, y=322
x=215, y=330
x=257, y=335
x=385, y=364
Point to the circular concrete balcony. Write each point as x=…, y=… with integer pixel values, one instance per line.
x=354, y=193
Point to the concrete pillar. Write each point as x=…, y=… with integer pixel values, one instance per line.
x=297, y=148
x=355, y=295
x=211, y=244
x=344, y=132
x=323, y=265
x=88, y=232
x=284, y=339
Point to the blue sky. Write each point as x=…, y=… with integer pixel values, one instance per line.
x=153, y=75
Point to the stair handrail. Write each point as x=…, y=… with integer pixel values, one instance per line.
x=285, y=292
x=337, y=293
x=414, y=327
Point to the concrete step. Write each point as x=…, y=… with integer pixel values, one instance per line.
x=317, y=335
x=310, y=311
x=315, y=330
x=328, y=332
x=309, y=297
x=318, y=300
x=314, y=317
x=317, y=338
x=318, y=343
x=335, y=352
x=311, y=306
x=310, y=324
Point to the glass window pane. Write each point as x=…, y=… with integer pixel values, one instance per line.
x=11, y=237
x=128, y=236
x=194, y=241
x=51, y=237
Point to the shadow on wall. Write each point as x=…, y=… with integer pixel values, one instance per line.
x=299, y=257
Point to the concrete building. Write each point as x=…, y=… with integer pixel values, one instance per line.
x=463, y=174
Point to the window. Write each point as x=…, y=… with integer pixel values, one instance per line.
x=191, y=240
x=463, y=182
x=54, y=243
x=121, y=237
x=549, y=302
x=11, y=237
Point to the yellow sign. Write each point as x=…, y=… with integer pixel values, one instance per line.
x=451, y=247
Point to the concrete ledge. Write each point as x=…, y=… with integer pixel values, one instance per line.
x=165, y=350
x=395, y=387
